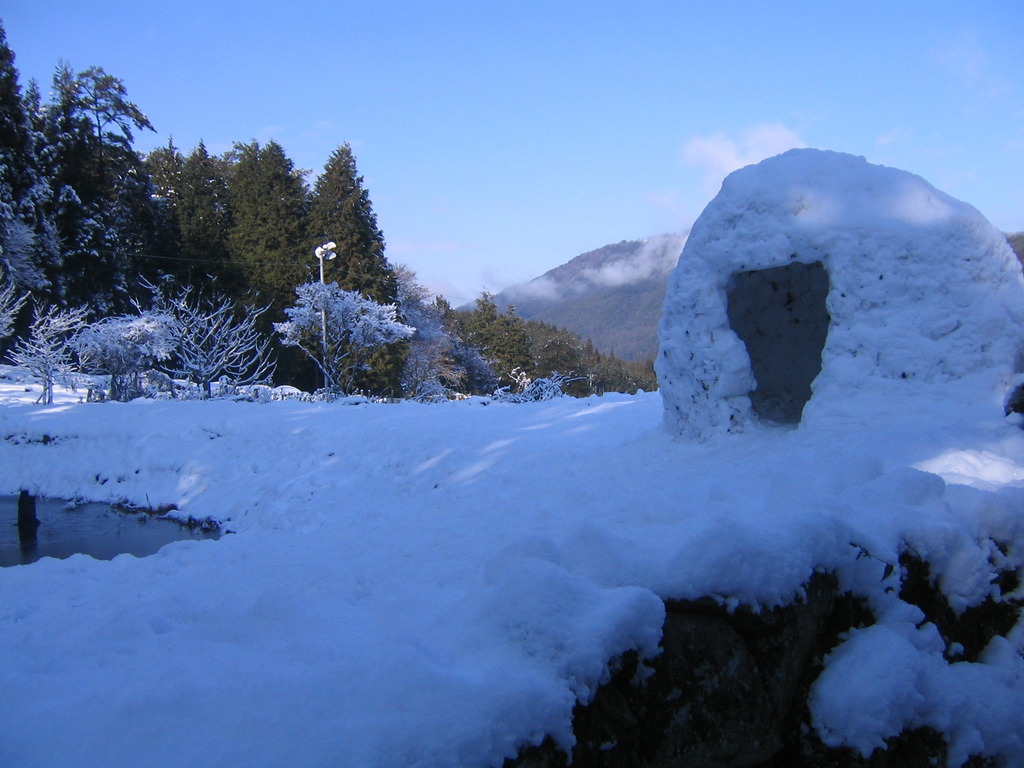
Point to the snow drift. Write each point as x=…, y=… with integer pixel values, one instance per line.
x=814, y=277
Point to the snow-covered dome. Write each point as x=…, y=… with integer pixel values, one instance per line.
x=817, y=282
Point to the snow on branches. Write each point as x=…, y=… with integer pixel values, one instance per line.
x=215, y=341
x=125, y=346
x=10, y=304
x=533, y=390
x=431, y=370
x=46, y=351
x=338, y=329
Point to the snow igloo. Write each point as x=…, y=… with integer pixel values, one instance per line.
x=818, y=284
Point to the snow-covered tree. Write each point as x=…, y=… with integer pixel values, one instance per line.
x=479, y=376
x=10, y=304
x=46, y=351
x=124, y=346
x=99, y=206
x=340, y=211
x=18, y=254
x=216, y=340
x=20, y=183
x=431, y=371
x=338, y=330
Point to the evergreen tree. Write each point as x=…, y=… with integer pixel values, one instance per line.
x=101, y=203
x=19, y=180
x=520, y=351
x=479, y=376
x=164, y=168
x=268, y=202
x=103, y=101
x=136, y=229
x=193, y=217
x=63, y=159
x=15, y=139
x=502, y=339
x=73, y=154
x=613, y=374
x=267, y=237
x=555, y=350
x=37, y=206
x=204, y=221
x=340, y=212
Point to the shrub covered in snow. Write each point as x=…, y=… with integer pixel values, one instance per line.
x=123, y=347
x=529, y=390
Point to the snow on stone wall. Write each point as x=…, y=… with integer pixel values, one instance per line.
x=816, y=281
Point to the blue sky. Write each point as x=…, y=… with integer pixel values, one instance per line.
x=500, y=139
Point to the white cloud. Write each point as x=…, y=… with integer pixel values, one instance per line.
x=972, y=68
x=657, y=256
x=964, y=58
x=539, y=288
x=718, y=155
x=895, y=136
x=321, y=127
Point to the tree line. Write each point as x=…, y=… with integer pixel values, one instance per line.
x=96, y=235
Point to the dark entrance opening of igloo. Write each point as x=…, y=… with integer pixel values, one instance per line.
x=780, y=315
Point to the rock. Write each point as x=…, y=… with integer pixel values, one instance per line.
x=729, y=689
x=966, y=635
x=720, y=695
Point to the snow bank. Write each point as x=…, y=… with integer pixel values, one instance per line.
x=920, y=297
x=412, y=585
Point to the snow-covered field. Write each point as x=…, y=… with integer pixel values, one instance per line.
x=436, y=585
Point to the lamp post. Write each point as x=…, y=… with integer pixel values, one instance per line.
x=324, y=252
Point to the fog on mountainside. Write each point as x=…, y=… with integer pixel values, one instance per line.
x=611, y=295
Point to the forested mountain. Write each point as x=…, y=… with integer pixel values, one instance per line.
x=612, y=295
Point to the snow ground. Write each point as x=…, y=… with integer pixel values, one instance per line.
x=436, y=585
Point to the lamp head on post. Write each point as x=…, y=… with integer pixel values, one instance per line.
x=325, y=252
